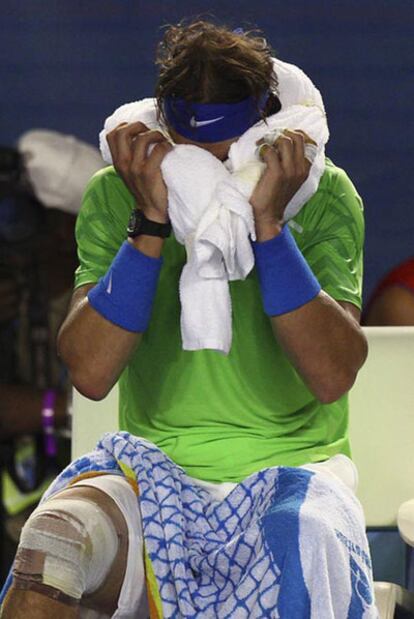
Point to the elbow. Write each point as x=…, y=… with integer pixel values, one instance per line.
x=330, y=391
x=336, y=384
x=90, y=387
x=84, y=372
x=342, y=376
x=95, y=395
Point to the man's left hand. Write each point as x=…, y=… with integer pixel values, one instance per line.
x=286, y=170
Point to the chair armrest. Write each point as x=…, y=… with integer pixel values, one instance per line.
x=405, y=521
x=388, y=597
x=385, y=599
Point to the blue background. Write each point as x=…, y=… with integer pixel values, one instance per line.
x=65, y=65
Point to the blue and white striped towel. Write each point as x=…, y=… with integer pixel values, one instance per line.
x=286, y=542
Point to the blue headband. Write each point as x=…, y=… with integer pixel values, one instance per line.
x=213, y=122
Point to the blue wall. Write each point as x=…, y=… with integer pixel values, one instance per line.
x=66, y=65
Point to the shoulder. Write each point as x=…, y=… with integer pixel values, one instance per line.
x=105, y=211
x=330, y=234
x=337, y=178
x=336, y=204
x=336, y=189
x=106, y=198
x=105, y=183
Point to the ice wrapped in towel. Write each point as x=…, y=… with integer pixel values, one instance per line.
x=209, y=202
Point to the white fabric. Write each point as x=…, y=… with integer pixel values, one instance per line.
x=405, y=520
x=295, y=87
x=59, y=167
x=339, y=467
x=132, y=603
x=133, y=593
x=144, y=111
x=333, y=552
x=209, y=208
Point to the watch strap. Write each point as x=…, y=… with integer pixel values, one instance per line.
x=140, y=224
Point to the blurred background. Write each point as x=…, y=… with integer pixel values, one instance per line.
x=65, y=66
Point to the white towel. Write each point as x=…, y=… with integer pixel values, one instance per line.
x=208, y=202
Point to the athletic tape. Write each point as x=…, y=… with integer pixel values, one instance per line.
x=70, y=544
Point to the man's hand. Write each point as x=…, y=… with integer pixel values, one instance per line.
x=129, y=144
x=286, y=170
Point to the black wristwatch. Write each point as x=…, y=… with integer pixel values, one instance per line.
x=139, y=224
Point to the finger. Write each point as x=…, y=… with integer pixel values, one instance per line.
x=302, y=162
x=126, y=137
x=141, y=145
x=298, y=141
x=132, y=129
x=262, y=146
x=110, y=138
x=270, y=156
x=121, y=140
x=157, y=155
x=286, y=151
x=307, y=139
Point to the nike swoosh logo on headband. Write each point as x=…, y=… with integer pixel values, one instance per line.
x=109, y=288
x=201, y=123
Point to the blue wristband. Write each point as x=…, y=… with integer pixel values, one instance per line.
x=125, y=294
x=286, y=280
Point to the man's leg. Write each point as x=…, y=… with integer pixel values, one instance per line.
x=19, y=604
x=316, y=534
x=73, y=550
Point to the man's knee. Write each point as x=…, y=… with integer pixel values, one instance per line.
x=69, y=546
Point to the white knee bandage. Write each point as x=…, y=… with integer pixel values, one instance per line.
x=70, y=543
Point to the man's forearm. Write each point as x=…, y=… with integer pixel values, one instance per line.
x=95, y=349
x=322, y=338
x=325, y=344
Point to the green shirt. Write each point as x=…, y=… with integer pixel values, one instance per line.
x=224, y=417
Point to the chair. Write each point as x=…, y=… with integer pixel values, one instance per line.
x=382, y=439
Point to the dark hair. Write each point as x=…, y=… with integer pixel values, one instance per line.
x=207, y=63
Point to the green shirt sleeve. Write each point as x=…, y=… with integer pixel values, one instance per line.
x=101, y=225
x=330, y=234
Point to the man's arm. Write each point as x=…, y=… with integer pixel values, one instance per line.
x=94, y=348
x=322, y=338
x=325, y=344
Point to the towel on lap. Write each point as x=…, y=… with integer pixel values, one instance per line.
x=286, y=542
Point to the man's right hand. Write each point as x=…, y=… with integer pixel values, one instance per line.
x=129, y=144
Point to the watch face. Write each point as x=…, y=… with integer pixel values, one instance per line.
x=139, y=224
x=134, y=223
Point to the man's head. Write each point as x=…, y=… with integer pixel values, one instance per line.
x=214, y=83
